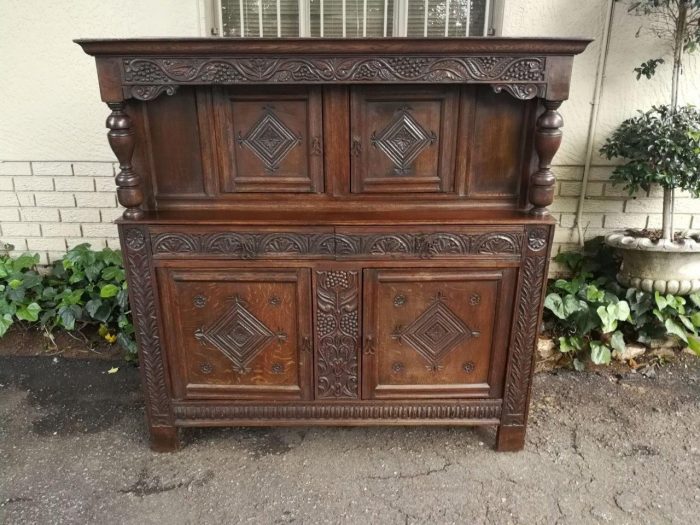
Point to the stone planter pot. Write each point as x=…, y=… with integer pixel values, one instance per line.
x=664, y=267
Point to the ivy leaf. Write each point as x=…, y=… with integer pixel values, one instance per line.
x=25, y=261
x=617, y=341
x=5, y=323
x=67, y=317
x=695, y=297
x=92, y=306
x=108, y=290
x=693, y=344
x=579, y=366
x=674, y=328
x=695, y=319
x=29, y=312
x=600, y=354
x=113, y=273
x=570, y=344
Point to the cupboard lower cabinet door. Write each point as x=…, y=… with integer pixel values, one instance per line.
x=435, y=333
x=238, y=334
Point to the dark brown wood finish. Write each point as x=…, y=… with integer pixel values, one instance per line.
x=335, y=232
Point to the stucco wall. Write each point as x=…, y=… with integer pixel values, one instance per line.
x=55, y=183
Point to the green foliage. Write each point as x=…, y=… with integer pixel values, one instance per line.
x=591, y=316
x=86, y=287
x=648, y=68
x=661, y=146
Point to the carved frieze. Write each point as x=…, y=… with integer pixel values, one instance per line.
x=337, y=334
x=522, y=77
x=256, y=245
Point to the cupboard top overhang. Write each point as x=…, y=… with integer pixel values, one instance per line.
x=145, y=68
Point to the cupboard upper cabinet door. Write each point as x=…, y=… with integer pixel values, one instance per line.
x=403, y=138
x=270, y=140
x=238, y=334
x=435, y=333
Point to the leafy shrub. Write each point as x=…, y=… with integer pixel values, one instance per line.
x=85, y=288
x=591, y=315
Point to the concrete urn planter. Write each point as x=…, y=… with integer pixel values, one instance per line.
x=661, y=266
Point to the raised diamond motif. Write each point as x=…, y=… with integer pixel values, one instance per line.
x=270, y=139
x=238, y=334
x=435, y=333
x=403, y=140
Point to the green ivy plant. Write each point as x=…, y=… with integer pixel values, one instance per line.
x=84, y=288
x=591, y=316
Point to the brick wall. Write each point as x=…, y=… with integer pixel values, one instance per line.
x=48, y=207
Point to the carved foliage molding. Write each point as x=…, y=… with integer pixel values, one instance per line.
x=525, y=328
x=481, y=410
x=522, y=77
x=255, y=245
x=337, y=334
x=143, y=305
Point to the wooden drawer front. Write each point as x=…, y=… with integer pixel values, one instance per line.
x=403, y=139
x=239, y=333
x=435, y=333
x=273, y=141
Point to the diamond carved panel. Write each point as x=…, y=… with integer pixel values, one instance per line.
x=238, y=334
x=435, y=333
x=403, y=140
x=270, y=139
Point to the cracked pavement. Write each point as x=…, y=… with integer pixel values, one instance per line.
x=73, y=450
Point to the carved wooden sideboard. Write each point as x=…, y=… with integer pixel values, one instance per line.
x=335, y=232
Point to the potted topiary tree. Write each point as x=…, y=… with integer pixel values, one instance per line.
x=661, y=146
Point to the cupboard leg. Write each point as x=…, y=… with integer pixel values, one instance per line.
x=510, y=438
x=164, y=439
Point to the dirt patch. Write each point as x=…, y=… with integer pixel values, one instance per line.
x=30, y=341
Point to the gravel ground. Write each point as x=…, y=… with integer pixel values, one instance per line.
x=601, y=449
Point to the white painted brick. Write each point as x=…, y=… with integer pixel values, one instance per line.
x=570, y=189
x=567, y=220
x=15, y=168
x=111, y=214
x=39, y=214
x=33, y=184
x=47, y=243
x=656, y=192
x=616, y=221
x=20, y=244
x=9, y=214
x=43, y=258
x=603, y=206
x=644, y=206
x=591, y=220
x=566, y=235
x=95, y=200
x=60, y=229
x=595, y=189
x=55, y=256
x=686, y=206
x=96, y=169
x=8, y=198
x=99, y=230
x=600, y=173
x=21, y=229
x=74, y=184
x=568, y=173
x=52, y=168
x=104, y=184
x=113, y=242
x=80, y=215
x=95, y=243
x=25, y=198
x=680, y=221
x=54, y=199
x=696, y=222
x=564, y=204
x=6, y=183
x=619, y=191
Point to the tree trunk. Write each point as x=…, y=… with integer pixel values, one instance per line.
x=668, y=215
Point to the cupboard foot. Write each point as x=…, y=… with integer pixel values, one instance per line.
x=510, y=438
x=164, y=439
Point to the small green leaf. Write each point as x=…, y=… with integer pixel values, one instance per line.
x=15, y=283
x=29, y=312
x=579, y=366
x=5, y=323
x=693, y=344
x=661, y=302
x=108, y=290
x=695, y=319
x=600, y=354
x=617, y=341
x=570, y=344
x=113, y=370
x=674, y=328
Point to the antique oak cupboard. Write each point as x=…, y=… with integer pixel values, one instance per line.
x=335, y=232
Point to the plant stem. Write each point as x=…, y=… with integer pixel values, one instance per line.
x=678, y=45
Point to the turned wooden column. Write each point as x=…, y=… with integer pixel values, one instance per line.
x=121, y=139
x=547, y=141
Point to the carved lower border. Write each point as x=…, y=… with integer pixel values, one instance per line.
x=256, y=245
x=481, y=410
x=142, y=298
x=524, y=77
x=525, y=327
